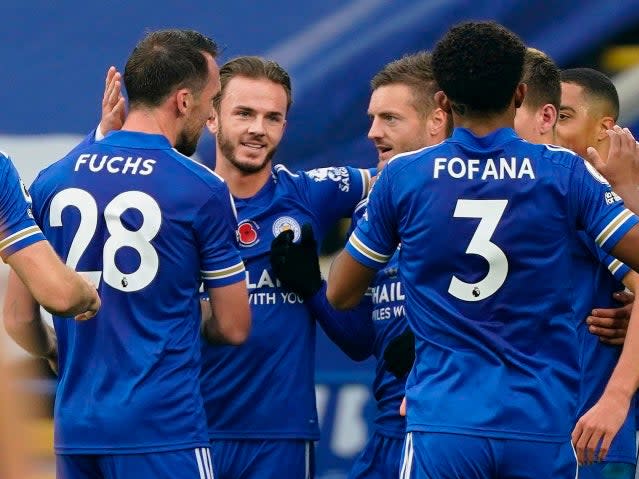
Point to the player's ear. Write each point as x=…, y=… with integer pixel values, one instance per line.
x=520, y=94
x=438, y=120
x=547, y=118
x=183, y=100
x=212, y=123
x=605, y=124
x=442, y=101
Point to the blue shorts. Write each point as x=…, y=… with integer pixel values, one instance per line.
x=263, y=459
x=186, y=464
x=607, y=470
x=380, y=459
x=454, y=456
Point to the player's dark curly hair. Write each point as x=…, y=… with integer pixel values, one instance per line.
x=479, y=65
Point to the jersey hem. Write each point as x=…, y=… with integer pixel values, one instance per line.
x=68, y=450
x=519, y=435
x=218, y=435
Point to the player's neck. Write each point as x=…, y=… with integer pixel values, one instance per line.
x=149, y=121
x=241, y=184
x=484, y=125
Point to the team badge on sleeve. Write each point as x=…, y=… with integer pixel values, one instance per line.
x=285, y=223
x=247, y=233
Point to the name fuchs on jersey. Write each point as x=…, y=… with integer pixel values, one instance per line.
x=115, y=164
x=489, y=169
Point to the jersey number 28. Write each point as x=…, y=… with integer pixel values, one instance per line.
x=119, y=235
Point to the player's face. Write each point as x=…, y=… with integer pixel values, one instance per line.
x=251, y=122
x=200, y=111
x=576, y=127
x=397, y=127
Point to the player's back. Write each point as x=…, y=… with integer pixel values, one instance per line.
x=132, y=211
x=483, y=223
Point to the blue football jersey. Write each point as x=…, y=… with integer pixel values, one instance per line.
x=598, y=277
x=485, y=225
x=148, y=225
x=265, y=387
x=17, y=226
x=389, y=321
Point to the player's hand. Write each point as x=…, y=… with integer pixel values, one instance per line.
x=596, y=429
x=113, y=103
x=296, y=265
x=622, y=165
x=399, y=355
x=611, y=325
x=94, y=304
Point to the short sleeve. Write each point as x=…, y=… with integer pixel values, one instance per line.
x=215, y=228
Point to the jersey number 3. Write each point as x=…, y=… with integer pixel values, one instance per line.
x=119, y=235
x=489, y=212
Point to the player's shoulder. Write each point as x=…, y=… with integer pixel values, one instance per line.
x=404, y=161
x=196, y=171
x=559, y=155
x=5, y=163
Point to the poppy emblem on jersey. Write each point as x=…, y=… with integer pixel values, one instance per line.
x=285, y=223
x=247, y=233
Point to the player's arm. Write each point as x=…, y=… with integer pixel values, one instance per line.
x=227, y=318
x=55, y=286
x=348, y=280
x=296, y=265
x=603, y=420
x=369, y=247
x=223, y=271
x=23, y=322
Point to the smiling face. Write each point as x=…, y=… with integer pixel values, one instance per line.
x=250, y=122
x=396, y=125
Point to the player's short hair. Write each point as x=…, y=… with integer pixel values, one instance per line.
x=541, y=75
x=596, y=86
x=255, y=68
x=479, y=65
x=165, y=60
x=416, y=72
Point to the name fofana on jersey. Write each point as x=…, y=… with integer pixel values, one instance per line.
x=489, y=169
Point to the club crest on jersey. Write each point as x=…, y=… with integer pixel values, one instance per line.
x=247, y=233
x=285, y=223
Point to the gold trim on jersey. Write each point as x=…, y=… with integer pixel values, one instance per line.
x=366, y=251
x=20, y=235
x=223, y=273
x=613, y=226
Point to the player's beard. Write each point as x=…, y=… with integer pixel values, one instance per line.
x=186, y=144
x=228, y=150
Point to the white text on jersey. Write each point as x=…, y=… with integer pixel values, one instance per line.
x=489, y=169
x=115, y=164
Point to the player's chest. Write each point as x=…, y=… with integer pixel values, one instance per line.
x=259, y=225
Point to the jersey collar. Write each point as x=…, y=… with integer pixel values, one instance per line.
x=497, y=137
x=136, y=139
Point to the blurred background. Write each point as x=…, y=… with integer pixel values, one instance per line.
x=55, y=55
